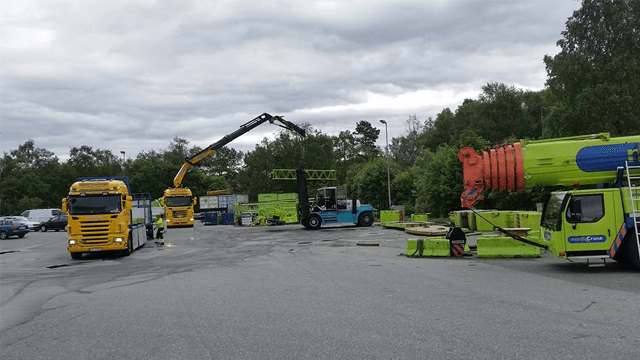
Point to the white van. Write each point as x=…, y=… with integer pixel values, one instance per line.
x=41, y=215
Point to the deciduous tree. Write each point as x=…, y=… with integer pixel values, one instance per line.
x=596, y=74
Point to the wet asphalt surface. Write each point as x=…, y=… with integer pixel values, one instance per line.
x=283, y=292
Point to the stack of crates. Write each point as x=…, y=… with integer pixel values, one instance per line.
x=284, y=206
x=391, y=217
x=487, y=220
x=527, y=219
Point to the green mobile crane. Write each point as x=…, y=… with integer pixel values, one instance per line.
x=598, y=218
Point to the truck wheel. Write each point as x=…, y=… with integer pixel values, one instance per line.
x=43, y=228
x=129, y=249
x=365, y=219
x=315, y=221
x=76, y=255
x=3, y=235
x=631, y=250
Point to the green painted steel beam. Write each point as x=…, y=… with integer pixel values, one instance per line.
x=290, y=174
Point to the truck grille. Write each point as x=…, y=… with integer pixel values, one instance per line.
x=95, y=232
x=180, y=214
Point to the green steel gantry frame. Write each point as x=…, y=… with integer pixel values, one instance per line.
x=290, y=174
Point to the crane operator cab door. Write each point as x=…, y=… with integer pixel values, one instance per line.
x=587, y=224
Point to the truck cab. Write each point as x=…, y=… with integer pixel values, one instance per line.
x=103, y=215
x=586, y=224
x=179, y=207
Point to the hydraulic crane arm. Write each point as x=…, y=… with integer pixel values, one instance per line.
x=195, y=159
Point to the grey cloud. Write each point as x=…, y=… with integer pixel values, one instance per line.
x=198, y=70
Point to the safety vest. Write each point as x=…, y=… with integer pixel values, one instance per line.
x=160, y=223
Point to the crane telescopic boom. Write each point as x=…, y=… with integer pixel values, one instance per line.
x=250, y=125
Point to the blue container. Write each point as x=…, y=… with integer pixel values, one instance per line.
x=226, y=219
x=211, y=218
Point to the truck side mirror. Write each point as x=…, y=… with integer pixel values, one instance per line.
x=64, y=206
x=195, y=200
x=127, y=204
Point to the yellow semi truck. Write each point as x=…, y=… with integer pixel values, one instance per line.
x=103, y=215
x=179, y=206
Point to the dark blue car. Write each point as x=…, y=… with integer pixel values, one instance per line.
x=12, y=228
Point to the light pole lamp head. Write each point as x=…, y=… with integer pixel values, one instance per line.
x=383, y=121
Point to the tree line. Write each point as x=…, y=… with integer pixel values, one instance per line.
x=593, y=85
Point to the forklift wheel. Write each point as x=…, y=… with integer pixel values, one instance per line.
x=365, y=219
x=314, y=221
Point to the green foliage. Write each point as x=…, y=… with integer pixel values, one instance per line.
x=226, y=163
x=287, y=151
x=344, y=149
x=29, y=176
x=596, y=75
x=368, y=182
x=403, y=189
x=255, y=176
x=365, y=140
x=150, y=172
x=438, y=180
x=500, y=114
x=406, y=148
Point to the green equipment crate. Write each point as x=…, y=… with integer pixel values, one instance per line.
x=288, y=197
x=527, y=219
x=462, y=218
x=496, y=246
x=485, y=221
x=391, y=216
x=473, y=218
x=419, y=217
x=267, y=197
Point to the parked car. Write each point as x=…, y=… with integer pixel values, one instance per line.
x=10, y=227
x=41, y=215
x=33, y=225
x=57, y=223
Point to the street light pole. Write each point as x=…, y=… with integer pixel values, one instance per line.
x=123, y=156
x=386, y=134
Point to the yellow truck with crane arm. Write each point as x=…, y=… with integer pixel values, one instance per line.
x=178, y=201
x=595, y=217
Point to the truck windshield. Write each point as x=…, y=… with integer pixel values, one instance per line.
x=178, y=201
x=552, y=215
x=98, y=204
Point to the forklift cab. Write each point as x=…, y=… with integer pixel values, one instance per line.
x=330, y=199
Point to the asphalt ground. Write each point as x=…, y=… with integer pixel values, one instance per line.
x=284, y=292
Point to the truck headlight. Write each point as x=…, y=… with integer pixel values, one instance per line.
x=72, y=242
x=118, y=240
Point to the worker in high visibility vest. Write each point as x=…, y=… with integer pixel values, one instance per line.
x=160, y=232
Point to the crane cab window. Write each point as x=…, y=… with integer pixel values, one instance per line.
x=589, y=210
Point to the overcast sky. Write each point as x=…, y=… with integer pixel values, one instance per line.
x=130, y=75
